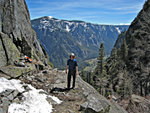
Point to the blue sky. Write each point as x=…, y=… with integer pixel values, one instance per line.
x=94, y=11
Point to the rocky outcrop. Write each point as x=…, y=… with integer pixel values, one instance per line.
x=16, y=33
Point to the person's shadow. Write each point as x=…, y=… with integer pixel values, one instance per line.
x=56, y=89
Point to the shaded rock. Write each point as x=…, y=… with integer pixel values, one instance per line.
x=17, y=34
x=3, y=59
x=40, y=79
x=11, y=52
x=39, y=65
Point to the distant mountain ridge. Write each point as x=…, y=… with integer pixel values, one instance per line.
x=60, y=37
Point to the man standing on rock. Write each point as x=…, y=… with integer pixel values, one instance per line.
x=72, y=66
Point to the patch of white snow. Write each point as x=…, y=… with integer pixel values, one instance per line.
x=117, y=28
x=10, y=84
x=55, y=99
x=67, y=28
x=33, y=101
x=50, y=17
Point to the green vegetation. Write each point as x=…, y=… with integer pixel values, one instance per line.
x=51, y=64
x=110, y=75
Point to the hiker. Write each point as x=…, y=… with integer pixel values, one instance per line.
x=72, y=66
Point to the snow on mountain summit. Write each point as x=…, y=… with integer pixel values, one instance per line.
x=50, y=17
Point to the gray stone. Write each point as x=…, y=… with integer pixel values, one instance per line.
x=15, y=72
x=1, y=110
x=6, y=93
x=5, y=104
x=13, y=95
x=95, y=103
x=11, y=52
x=40, y=79
x=3, y=60
x=10, y=97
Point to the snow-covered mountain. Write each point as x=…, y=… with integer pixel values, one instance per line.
x=60, y=37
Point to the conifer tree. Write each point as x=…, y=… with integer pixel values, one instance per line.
x=100, y=72
x=100, y=63
x=124, y=51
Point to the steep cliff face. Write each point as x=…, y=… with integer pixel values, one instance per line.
x=136, y=65
x=16, y=33
x=138, y=41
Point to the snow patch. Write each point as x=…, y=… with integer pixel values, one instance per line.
x=50, y=17
x=58, y=20
x=34, y=101
x=10, y=84
x=83, y=24
x=67, y=28
x=125, y=24
x=117, y=28
x=70, y=23
x=104, y=28
x=44, y=23
x=55, y=99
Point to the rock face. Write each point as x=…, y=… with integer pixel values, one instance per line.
x=138, y=40
x=79, y=37
x=138, y=60
x=16, y=33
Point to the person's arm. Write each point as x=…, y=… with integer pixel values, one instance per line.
x=67, y=66
x=66, y=69
x=77, y=73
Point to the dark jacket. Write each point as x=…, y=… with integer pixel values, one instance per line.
x=72, y=64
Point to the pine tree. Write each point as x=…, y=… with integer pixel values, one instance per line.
x=124, y=51
x=113, y=54
x=100, y=72
x=100, y=63
x=112, y=70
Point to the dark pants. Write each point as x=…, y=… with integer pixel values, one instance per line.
x=71, y=73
